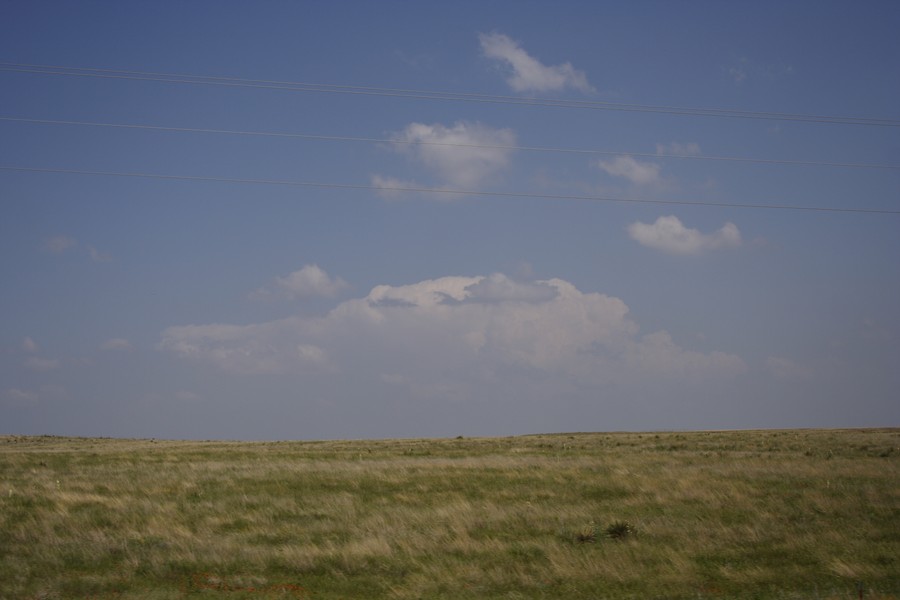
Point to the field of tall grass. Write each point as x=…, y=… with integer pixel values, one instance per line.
x=749, y=514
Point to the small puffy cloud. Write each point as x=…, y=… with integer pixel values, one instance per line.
x=59, y=244
x=310, y=281
x=464, y=155
x=97, y=256
x=672, y=237
x=528, y=74
x=635, y=171
x=678, y=149
x=116, y=344
x=36, y=363
x=29, y=345
x=738, y=73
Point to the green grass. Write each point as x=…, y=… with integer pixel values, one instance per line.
x=751, y=514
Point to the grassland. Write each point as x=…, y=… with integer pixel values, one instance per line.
x=756, y=514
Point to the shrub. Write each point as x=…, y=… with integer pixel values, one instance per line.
x=618, y=530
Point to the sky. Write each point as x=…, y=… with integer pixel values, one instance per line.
x=338, y=220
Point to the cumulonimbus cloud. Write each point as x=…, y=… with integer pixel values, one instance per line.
x=527, y=73
x=471, y=327
x=669, y=235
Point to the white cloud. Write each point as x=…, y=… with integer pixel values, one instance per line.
x=738, y=74
x=528, y=74
x=36, y=363
x=97, y=256
x=265, y=348
x=16, y=397
x=448, y=333
x=671, y=236
x=391, y=187
x=457, y=155
x=59, y=244
x=635, y=171
x=116, y=344
x=745, y=69
x=678, y=149
x=310, y=281
x=29, y=345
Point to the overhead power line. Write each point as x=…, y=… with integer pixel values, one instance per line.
x=309, y=87
x=335, y=138
x=442, y=191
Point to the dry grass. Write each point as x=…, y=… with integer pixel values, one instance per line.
x=781, y=514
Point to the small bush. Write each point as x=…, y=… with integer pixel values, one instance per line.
x=587, y=534
x=619, y=530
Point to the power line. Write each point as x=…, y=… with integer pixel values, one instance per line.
x=441, y=191
x=434, y=95
x=334, y=138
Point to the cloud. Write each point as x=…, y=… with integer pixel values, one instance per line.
x=528, y=74
x=738, y=74
x=116, y=344
x=267, y=348
x=745, y=69
x=458, y=155
x=97, y=256
x=310, y=281
x=59, y=244
x=29, y=345
x=307, y=282
x=678, y=149
x=672, y=237
x=635, y=171
x=391, y=187
x=452, y=333
x=19, y=398
x=36, y=363
x=500, y=288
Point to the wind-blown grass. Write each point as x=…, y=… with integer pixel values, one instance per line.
x=760, y=514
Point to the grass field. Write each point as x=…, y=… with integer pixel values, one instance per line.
x=750, y=514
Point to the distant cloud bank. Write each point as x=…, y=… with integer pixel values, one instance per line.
x=455, y=332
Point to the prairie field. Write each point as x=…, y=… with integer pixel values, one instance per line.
x=733, y=514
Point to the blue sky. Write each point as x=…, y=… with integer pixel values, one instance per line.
x=203, y=307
